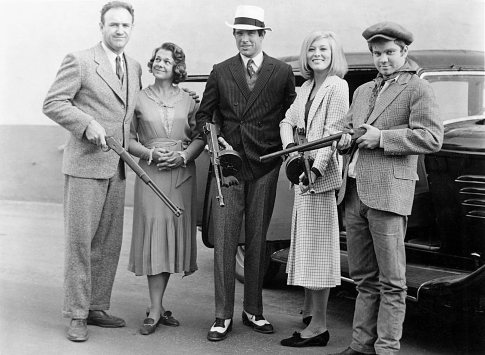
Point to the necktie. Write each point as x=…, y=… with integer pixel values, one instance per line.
x=119, y=69
x=379, y=84
x=250, y=68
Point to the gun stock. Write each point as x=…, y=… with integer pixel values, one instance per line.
x=113, y=144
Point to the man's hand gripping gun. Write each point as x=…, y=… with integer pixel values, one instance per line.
x=113, y=144
x=225, y=162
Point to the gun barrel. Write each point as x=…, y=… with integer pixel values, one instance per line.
x=316, y=144
x=113, y=144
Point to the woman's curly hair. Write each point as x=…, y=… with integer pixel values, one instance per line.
x=179, y=66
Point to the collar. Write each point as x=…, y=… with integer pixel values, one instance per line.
x=112, y=56
x=258, y=60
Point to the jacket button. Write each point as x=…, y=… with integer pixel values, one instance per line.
x=123, y=107
x=266, y=104
x=236, y=103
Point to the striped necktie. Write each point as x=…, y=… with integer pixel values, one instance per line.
x=250, y=68
x=119, y=69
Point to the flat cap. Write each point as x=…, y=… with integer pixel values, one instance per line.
x=388, y=30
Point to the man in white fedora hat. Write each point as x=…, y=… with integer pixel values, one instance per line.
x=247, y=95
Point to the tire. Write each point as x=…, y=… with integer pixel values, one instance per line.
x=271, y=268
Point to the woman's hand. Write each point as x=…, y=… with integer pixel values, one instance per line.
x=167, y=159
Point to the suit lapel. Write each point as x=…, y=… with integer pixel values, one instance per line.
x=265, y=73
x=237, y=71
x=133, y=81
x=387, y=97
x=318, y=100
x=106, y=72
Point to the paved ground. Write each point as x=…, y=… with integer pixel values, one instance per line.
x=31, y=267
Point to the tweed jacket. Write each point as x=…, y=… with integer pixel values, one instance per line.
x=386, y=176
x=249, y=119
x=87, y=88
x=326, y=117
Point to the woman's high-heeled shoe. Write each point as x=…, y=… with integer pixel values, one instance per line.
x=149, y=326
x=166, y=318
x=298, y=342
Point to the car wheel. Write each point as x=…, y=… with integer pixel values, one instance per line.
x=271, y=268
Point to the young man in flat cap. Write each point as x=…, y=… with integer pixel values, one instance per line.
x=249, y=94
x=402, y=120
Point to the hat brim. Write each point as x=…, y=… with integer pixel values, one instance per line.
x=247, y=27
x=382, y=36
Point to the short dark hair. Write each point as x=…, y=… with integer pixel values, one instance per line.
x=115, y=5
x=260, y=32
x=179, y=67
x=378, y=40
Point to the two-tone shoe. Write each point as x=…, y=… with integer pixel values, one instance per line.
x=257, y=322
x=220, y=329
x=297, y=341
x=103, y=319
x=78, y=330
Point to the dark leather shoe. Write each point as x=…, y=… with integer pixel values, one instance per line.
x=167, y=319
x=78, y=330
x=349, y=351
x=148, y=326
x=298, y=342
x=219, y=330
x=259, y=323
x=307, y=320
x=102, y=319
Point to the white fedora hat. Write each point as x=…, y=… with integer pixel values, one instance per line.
x=249, y=18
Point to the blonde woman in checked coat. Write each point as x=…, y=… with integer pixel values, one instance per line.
x=320, y=107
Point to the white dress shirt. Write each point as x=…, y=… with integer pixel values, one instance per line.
x=112, y=58
x=257, y=61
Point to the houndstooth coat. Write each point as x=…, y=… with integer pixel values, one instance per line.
x=314, y=256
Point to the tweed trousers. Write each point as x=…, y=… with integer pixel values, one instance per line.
x=93, y=222
x=254, y=200
x=377, y=262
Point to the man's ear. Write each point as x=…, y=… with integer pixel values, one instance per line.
x=405, y=51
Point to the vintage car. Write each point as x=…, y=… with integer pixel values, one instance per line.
x=445, y=240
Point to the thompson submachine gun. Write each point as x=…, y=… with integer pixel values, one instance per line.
x=301, y=163
x=113, y=144
x=316, y=144
x=225, y=162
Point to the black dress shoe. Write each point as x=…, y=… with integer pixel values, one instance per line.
x=297, y=341
x=349, y=351
x=167, y=319
x=219, y=331
x=259, y=323
x=102, y=319
x=148, y=326
x=307, y=320
x=78, y=330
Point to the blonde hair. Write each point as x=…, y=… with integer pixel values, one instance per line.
x=338, y=66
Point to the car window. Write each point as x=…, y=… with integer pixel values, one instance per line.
x=458, y=94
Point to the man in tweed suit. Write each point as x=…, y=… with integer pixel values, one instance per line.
x=93, y=96
x=249, y=95
x=402, y=120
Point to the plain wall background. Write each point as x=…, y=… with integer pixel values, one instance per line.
x=36, y=35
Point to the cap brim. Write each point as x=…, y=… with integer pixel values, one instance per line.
x=381, y=36
x=247, y=27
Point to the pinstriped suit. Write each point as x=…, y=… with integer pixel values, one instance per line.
x=86, y=88
x=249, y=122
x=378, y=200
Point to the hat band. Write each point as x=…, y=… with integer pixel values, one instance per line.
x=248, y=21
